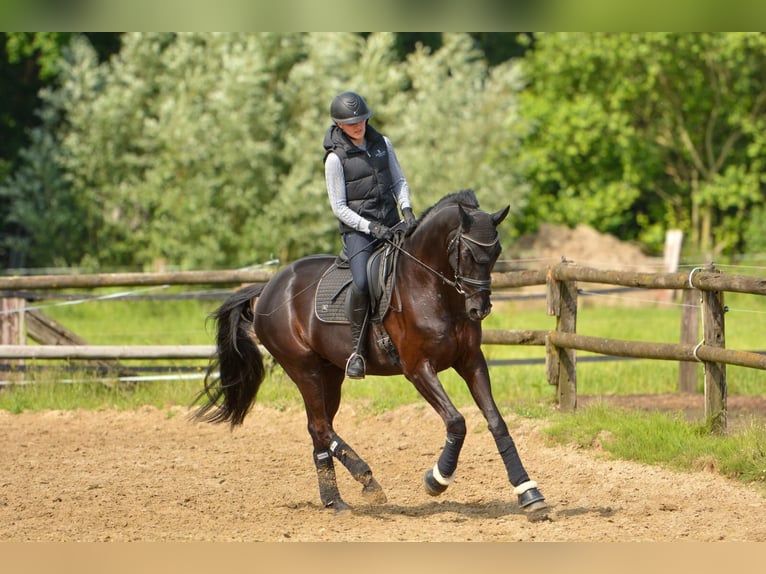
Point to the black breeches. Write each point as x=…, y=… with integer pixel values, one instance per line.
x=358, y=246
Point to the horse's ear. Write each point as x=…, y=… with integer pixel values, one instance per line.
x=465, y=218
x=498, y=217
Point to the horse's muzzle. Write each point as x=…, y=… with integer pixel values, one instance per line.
x=478, y=312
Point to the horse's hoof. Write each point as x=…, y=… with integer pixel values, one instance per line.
x=340, y=507
x=532, y=502
x=536, y=506
x=433, y=487
x=373, y=493
x=530, y=497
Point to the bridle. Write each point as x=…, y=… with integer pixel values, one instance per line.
x=461, y=240
x=461, y=283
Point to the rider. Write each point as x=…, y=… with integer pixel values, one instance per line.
x=365, y=184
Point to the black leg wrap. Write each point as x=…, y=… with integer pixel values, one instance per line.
x=507, y=449
x=359, y=469
x=448, y=459
x=445, y=466
x=530, y=498
x=371, y=490
x=328, y=486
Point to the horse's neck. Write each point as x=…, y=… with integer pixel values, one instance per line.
x=433, y=236
x=429, y=251
x=426, y=268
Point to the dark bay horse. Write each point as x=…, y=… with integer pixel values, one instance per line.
x=443, y=293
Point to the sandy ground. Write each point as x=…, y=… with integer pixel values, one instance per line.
x=151, y=475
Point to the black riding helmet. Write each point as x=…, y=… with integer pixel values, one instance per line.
x=349, y=108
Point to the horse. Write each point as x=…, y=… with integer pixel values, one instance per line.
x=442, y=293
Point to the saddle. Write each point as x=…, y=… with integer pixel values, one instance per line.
x=331, y=298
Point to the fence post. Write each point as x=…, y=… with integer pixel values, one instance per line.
x=670, y=257
x=690, y=327
x=561, y=363
x=714, y=334
x=12, y=331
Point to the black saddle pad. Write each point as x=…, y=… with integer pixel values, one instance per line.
x=330, y=297
x=332, y=290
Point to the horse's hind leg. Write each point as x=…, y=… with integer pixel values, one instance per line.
x=328, y=485
x=321, y=391
x=359, y=469
x=356, y=466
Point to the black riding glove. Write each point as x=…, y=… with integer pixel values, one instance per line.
x=409, y=219
x=380, y=231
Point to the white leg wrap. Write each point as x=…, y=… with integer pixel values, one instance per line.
x=524, y=486
x=440, y=479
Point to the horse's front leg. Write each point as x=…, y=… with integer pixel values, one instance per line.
x=476, y=375
x=438, y=478
x=426, y=381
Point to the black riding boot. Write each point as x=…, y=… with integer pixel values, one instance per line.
x=359, y=304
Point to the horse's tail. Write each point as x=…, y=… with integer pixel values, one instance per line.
x=238, y=361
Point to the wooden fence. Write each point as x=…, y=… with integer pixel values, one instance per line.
x=561, y=343
x=562, y=301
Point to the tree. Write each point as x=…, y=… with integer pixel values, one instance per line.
x=454, y=126
x=171, y=146
x=205, y=150
x=29, y=63
x=635, y=133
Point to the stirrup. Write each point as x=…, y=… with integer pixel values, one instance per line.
x=352, y=366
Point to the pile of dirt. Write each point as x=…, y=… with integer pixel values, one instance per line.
x=582, y=245
x=585, y=247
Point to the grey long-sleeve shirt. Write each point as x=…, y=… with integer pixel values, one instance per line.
x=336, y=188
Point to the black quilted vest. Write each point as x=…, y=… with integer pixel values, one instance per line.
x=369, y=187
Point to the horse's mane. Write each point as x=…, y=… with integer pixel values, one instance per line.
x=465, y=197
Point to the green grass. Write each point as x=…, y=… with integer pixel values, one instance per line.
x=666, y=440
x=152, y=322
x=95, y=396
x=658, y=323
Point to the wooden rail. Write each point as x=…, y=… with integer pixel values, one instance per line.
x=134, y=279
x=660, y=351
x=106, y=351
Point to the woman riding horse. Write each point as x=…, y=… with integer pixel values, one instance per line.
x=443, y=293
x=365, y=183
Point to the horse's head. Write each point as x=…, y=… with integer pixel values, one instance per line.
x=473, y=251
x=472, y=248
